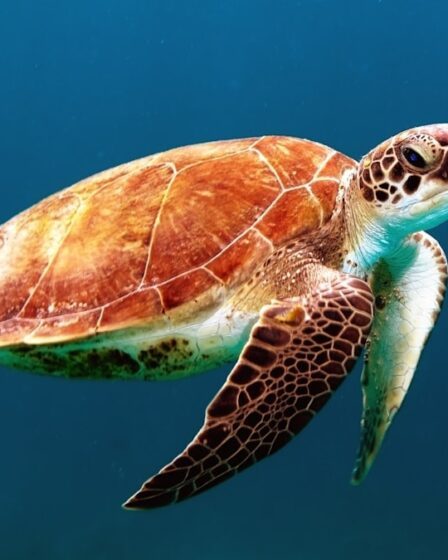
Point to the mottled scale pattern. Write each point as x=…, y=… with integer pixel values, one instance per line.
x=166, y=235
x=299, y=352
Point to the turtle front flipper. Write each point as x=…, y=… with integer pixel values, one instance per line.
x=298, y=353
x=409, y=288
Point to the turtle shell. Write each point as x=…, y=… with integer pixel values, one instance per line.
x=160, y=236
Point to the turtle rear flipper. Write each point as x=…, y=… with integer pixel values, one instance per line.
x=299, y=352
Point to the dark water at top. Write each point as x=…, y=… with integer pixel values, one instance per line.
x=87, y=85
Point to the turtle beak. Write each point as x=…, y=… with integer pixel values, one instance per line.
x=432, y=209
x=440, y=133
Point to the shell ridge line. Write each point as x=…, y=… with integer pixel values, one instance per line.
x=150, y=164
x=159, y=293
x=55, y=254
x=322, y=165
x=213, y=158
x=263, y=236
x=316, y=202
x=82, y=200
x=271, y=168
x=238, y=237
x=316, y=177
x=312, y=182
x=157, y=221
x=157, y=286
x=212, y=274
x=120, y=170
x=31, y=334
x=256, y=142
x=165, y=196
x=323, y=178
x=100, y=318
x=102, y=308
x=126, y=174
x=241, y=235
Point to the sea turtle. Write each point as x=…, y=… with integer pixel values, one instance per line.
x=277, y=252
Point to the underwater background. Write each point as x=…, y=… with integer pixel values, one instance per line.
x=86, y=85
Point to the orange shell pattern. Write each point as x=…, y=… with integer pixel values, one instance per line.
x=130, y=244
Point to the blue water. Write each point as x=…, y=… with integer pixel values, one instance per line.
x=89, y=84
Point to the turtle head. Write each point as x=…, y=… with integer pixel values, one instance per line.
x=404, y=180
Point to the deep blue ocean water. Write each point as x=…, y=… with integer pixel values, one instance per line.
x=86, y=85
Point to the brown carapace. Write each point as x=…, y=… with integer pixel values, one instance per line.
x=159, y=236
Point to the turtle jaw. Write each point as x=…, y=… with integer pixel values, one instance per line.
x=418, y=215
x=428, y=213
x=374, y=232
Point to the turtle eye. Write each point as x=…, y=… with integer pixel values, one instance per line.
x=420, y=152
x=413, y=158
